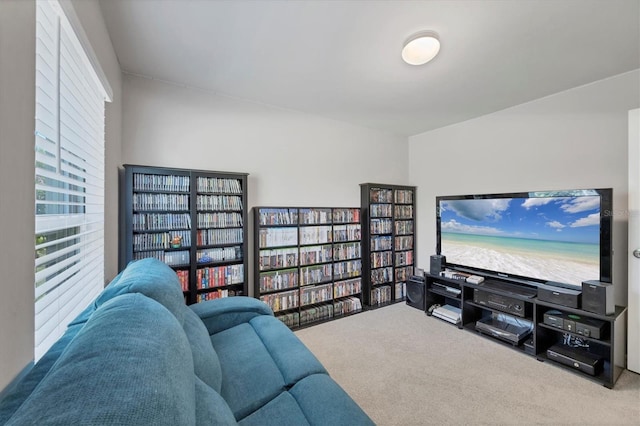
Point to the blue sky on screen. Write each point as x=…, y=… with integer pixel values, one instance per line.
x=571, y=219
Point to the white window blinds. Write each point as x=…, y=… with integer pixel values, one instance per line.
x=69, y=144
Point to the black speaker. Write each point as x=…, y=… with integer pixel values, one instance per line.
x=416, y=292
x=437, y=264
x=559, y=295
x=597, y=297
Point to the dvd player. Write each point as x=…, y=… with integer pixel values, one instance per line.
x=577, y=358
x=505, y=328
x=448, y=313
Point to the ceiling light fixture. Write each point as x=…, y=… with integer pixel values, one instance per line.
x=421, y=47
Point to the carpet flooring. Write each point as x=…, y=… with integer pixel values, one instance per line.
x=405, y=368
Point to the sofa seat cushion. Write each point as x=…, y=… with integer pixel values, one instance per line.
x=324, y=402
x=283, y=410
x=316, y=400
x=250, y=377
x=293, y=358
x=129, y=364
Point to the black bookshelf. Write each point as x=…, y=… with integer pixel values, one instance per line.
x=388, y=235
x=308, y=262
x=193, y=220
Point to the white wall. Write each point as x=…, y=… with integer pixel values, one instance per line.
x=293, y=159
x=573, y=139
x=17, y=193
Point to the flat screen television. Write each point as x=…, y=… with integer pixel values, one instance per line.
x=562, y=237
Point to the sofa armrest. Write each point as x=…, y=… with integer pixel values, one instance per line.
x=221, y=314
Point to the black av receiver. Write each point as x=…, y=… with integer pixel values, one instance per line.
x=507, y=304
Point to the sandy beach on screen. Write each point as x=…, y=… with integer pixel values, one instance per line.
x=532, y=265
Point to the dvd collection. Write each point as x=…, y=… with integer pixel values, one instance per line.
x=165, y=183
x=380, y=295
x=381, y=242
x=347, y=288
x=382, y=276
x=314, y=216
x=219, y=220
x=381, y=226
x=171, y=258
x=308, y=262
x=161, y=221
x=403, y=212
x=168, y=202
x=347, y=269
x=309, y=315
x=161, y=240
x=164, y=203
x=404, y=258
x=278, y=258
x=219, y=202
x=316, y=234
x=278, y=280
x=316, y=294
x=183, y=277
x=351, y=232
x=346, y=251
x=380, y=210
x=403, y=273
x=380, y=259
x=219, y=276
x=315, y=254
x=404, y=242
x=215, y=236
x=218, y=185
x=219, y=254
x=282, y=301
x=346, y=215
x=286, y=216
x=381, y=195
x=316, y=274
x=217, y=294
x=404, y=227
x=404, y=196
x=278, y=237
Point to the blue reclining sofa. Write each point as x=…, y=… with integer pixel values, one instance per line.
x=139, y=356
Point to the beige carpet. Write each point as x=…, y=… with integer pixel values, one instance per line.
x=405, y=368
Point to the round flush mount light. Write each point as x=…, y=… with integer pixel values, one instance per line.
x=420, y=48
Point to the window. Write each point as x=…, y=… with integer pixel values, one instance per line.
x=69, y=204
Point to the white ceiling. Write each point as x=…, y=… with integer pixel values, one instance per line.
x=341, y=59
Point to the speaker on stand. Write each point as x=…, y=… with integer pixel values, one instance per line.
x=416, y=296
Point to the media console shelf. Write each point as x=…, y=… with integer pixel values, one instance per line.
x=501, y=302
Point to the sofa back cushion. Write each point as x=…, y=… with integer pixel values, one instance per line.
x=206, y=364
x=130, y=364
x=152, y=278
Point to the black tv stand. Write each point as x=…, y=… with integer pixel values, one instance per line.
x=610, y=349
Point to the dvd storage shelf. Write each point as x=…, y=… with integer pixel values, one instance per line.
x=518, y=320
x=308, y=262
x=388, y=234
x=193, y=220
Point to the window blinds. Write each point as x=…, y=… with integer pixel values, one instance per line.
x=69, y=144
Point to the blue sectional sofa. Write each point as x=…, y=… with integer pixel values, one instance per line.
x=139, y=356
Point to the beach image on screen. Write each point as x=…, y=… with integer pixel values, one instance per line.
x=548, y=238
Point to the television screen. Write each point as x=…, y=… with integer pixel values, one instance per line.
x=558, y=236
